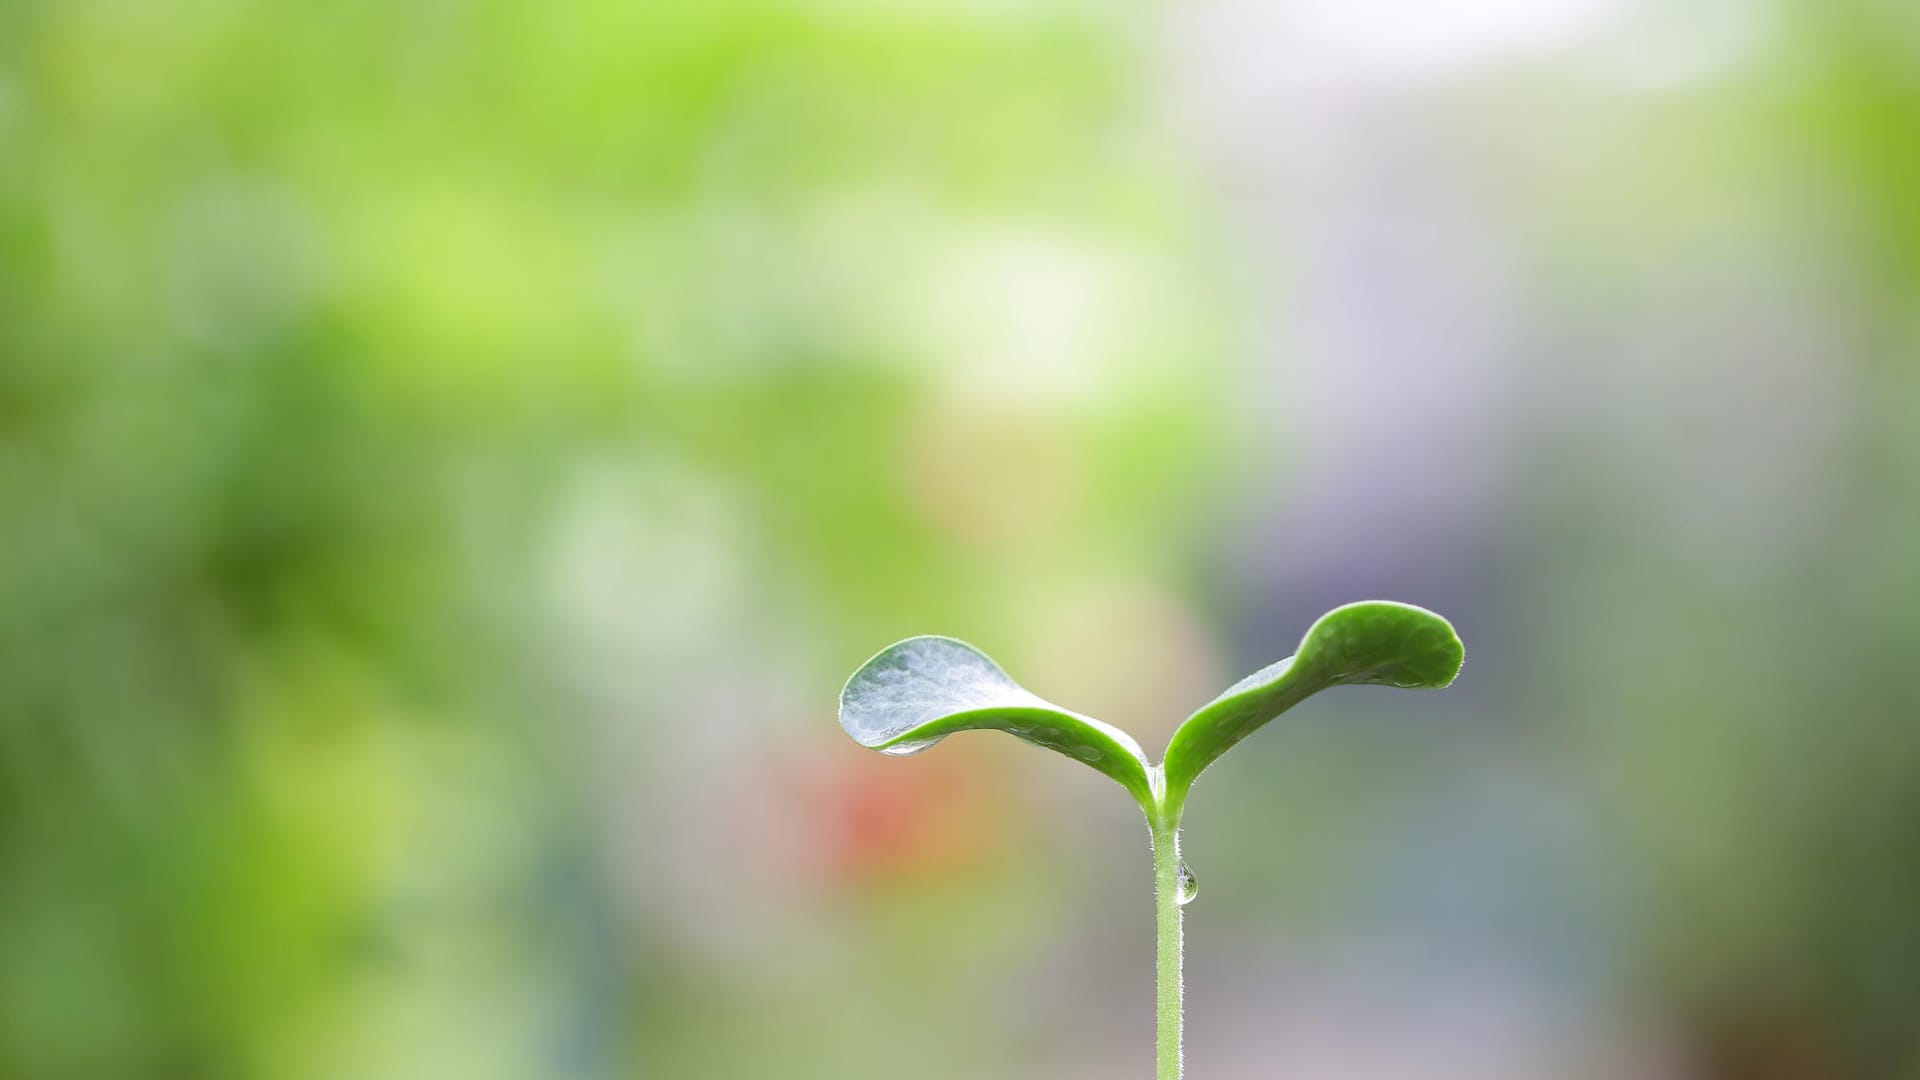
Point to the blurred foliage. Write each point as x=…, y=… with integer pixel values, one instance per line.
x=336, y=340
x=1744, y=700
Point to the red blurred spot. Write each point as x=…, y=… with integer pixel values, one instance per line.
x=879, y=818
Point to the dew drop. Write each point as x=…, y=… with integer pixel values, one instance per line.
x=905, y=748
x=1187, y=886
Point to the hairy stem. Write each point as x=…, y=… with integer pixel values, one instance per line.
x=1166, y=891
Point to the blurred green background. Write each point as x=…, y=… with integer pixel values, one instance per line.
x=451, y=452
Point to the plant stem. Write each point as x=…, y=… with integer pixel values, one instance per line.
x=1166, y=891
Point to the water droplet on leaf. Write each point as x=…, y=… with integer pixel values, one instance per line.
x=1186, y=886
x=905, y=748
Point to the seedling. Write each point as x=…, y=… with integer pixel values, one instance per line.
x=919, y=691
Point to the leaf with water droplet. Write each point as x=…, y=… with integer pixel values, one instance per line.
x=1375, y=643
x=918, y=691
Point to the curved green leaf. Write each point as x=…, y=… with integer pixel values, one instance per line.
x=918, y=691
x=1375, y=643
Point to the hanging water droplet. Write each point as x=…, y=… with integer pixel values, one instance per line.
x=1186, y=885
x=906, y=748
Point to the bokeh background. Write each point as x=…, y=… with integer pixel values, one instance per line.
x=451, y=452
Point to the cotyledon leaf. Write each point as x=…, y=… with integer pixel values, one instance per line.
x=1374, y=643
x=918, y=691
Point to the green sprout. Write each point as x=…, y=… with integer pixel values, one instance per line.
x=918, y=691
